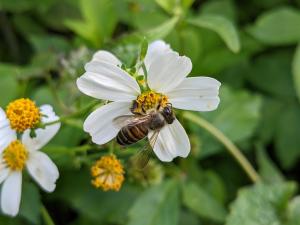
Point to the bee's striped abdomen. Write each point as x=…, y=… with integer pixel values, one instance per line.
x=131, y=134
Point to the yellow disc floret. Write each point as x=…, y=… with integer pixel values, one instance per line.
x=108, y=173
x=15, y=155
x=23, y=114
x=150, y=100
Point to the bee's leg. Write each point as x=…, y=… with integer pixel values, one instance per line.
x=134, y=107
x=144, y=111
x=159, y=104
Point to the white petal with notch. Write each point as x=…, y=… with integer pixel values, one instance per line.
x=167, y=71
x=196, y=93
x=172, y=141
x=42, y=170
x=105, y=56
x=109, y=82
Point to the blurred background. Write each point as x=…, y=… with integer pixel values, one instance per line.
x=250, y=46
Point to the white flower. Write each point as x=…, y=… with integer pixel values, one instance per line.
x=16, y=154
x=167, y=75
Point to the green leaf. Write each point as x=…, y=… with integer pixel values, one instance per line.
x=187, y=41
x=8, y=84
x=293, y=212
x=174, y=7
x=152, y=34
x=31, y=203
x=162, y=30
x=261, y=204
x=278, y=27
x=221, y=7
x=95, y=204
x=99, y=21
x=296, y=70
x=43, y=43
x=287, y=140
x=222, y=26
x=5, y=220
x=17, y=5
x=273, y=68
x=157, y=205
x=202, y=203
x=169, y=5
x=267, y=168
x=144, y=49
x=271, y=111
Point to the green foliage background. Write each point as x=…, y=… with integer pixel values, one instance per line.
x=252, y=47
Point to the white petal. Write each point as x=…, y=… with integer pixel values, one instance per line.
x=99, y=123
x=105, y=56
x=43, y=136
x=167, y=71
x=43, y=170
x=156, y=49
x=7, y=135
x=196, y=93
x=3, y=171
x=11, y=194
x=106, y=81
x=172, y=141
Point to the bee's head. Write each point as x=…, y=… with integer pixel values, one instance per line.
x=168, y=113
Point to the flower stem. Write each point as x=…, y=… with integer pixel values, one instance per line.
x=230, y=146
x=46, y=216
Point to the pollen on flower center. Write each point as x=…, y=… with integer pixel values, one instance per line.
x=15, y=155
x=108, y=173
x=150, y=100
x=23, y=114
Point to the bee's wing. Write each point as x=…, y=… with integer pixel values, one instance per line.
x=130, y=120
x=142, y=158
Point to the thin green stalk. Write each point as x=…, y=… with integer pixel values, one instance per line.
x=46, y=216
x=53, y=90
x=230, y=146
x=111, y=147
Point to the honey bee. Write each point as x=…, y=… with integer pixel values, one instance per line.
x=137, y=126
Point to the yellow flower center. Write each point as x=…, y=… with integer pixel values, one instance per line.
x=108, y=173
x=23, y=114
x=15, y=155
x=150, y=100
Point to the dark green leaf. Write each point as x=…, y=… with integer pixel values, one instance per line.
x=144, y=48
x=286, y=139
x=202, y=203
x=31, y=203
x=296, y=70
x=157, y=205
x=222, y=26
x=271, y=73
x=8, y=84
x=267, y=168
x=278, y=26
x=99, y=21
x=293, y=212
x=261, y=204
x=93, y=203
